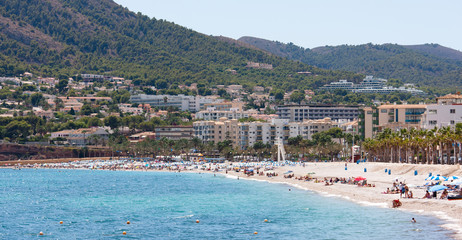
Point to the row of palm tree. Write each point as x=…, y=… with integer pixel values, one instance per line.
x=435, y=146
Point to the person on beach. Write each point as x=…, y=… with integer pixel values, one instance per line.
x=396, y=203
x=401, y=190
x=444, y=195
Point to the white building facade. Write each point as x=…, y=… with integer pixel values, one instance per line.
x=182, y=102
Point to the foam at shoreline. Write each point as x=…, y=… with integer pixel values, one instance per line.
x=448, y=222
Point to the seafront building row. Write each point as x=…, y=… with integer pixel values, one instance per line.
x=447, y=112
x=217, y=121
x=246, y=134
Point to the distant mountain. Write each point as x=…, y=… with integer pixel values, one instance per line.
x=428, y=65
x=66, y=37
x=437, y=51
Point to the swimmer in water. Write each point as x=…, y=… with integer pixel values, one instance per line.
x=413, y=220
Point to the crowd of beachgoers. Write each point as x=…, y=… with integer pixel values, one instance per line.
x=265, y=168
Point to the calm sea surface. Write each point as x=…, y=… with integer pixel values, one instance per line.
x=97, y=205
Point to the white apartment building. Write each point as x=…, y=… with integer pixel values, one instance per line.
x=182, y=102
x=267, y=132
x=446, y=113
x=127, y=108
x=213, y=115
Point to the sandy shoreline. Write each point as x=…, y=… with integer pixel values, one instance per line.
x=449, y=211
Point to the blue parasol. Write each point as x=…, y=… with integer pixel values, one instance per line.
x=437, y=188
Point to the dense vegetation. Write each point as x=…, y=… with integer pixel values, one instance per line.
x=425, y=65
x=67, y=37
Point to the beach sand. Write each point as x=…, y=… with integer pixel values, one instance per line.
x=449, y=211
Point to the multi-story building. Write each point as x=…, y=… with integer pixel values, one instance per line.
x=246, y=134
x=341, y=84
x=83, y=136
x=127, y=108
x=309, y=127
x=369, y=84
x=224, y=106
x=217, y=131
x=267, y=132
x=213, y=115
x=368, y=122
x=174, y=132
x=182, y=102
x=299, y=113
x=447, y=112
x=139, y=137
x=89, y=99
x=400, y=116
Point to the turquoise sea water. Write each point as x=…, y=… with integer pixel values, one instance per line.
x=97, y=205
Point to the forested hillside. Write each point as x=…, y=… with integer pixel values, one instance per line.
x=426, y=65
x=66, y=37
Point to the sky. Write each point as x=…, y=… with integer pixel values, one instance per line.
x=310, y=24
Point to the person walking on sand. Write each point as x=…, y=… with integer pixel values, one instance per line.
x=406, y=191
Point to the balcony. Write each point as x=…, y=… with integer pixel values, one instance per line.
x=412, y=120
x=415, y=113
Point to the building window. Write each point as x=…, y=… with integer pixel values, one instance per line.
x=452, y=122
x=452, y=111
x=433, y=122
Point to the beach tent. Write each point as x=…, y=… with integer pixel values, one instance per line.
x=437, y=188
x=288, y=172
x=360, y=178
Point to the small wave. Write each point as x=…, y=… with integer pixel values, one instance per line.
x=380, y=204
x=231, y=176
x=186, y=216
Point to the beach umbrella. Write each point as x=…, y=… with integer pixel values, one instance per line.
x=452, y=178
x=439, y=178
x=436, y=178
x=429, y=178
x=458, y=182
x=288, y=172
x=360, y=178
x=437, y=188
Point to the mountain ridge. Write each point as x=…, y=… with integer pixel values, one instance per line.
x=68, y=37
x=426, y=65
